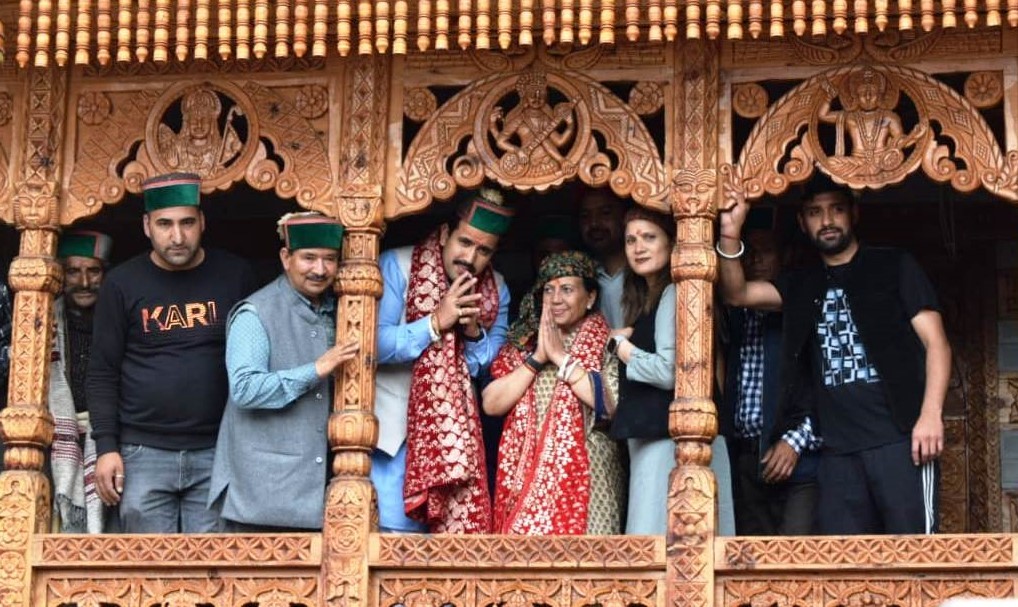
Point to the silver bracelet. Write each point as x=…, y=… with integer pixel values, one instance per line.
x=560, y=374
x=742, y=249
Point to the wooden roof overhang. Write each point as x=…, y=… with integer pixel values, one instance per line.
x=49, y=32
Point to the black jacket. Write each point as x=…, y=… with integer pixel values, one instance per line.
x=872, y=288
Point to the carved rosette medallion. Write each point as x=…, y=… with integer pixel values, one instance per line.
x=312, y=101
x=203, y=129
x=647, y=98
x=419, y=104
x=94, y=108
x=749, y=100
x=984, y=89
x=868, y=143
x=531, y=131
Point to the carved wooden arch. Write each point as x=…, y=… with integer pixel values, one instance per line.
x=534, y=148
x=122, y=143
x=789, y=132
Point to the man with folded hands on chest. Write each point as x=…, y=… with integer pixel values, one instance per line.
x=443, y=317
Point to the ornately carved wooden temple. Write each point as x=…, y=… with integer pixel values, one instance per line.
x=371, y=111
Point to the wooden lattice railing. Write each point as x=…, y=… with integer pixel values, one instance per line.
x=481, y=571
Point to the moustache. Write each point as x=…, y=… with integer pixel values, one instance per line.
x=466, y=266
x=76, y=290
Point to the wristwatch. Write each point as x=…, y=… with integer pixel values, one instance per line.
x=612, y=347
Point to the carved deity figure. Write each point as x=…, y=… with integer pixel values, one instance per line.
x=200, y=147
x=868, y=100
x=693, y=192
x=535, y=125
x=35, y=206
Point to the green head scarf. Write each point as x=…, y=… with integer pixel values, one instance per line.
x=557, y=265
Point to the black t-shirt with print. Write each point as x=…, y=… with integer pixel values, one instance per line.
x=852, y=408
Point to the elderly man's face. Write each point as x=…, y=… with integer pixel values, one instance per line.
x=82, y=277
x=311, y=271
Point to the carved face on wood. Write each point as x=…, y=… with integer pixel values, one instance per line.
x=35, y=209
x=532, y=88
x=201, y=109
x=694, y=191
x=869, y=87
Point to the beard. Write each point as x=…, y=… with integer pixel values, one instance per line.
x=829, y=246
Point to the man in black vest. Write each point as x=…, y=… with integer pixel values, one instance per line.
x=865, y=356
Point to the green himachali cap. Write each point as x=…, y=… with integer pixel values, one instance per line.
x=82, y=243
x=486, y=213
x=310, y=231
x=171, y=190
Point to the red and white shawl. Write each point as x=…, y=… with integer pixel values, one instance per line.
x=543, y=483
x=446, y=484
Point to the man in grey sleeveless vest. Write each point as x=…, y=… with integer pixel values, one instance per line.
x=271, y=461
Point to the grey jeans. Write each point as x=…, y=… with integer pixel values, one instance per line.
x=166, y=491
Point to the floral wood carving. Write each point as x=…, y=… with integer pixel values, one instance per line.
x=984, y=89
x=873, y=147
x=425, y=551
x=532, y=144
x=470, y=591
x=169, y=591
x=290, y=550
x=924, y=592
x=884, y=551
x=888, y=47
x=884, y=47
x=647, y=98
x=749, y=100
x=6, y=108
x=419, y=104
x=312, y=101
x=631, y=55
x=224, y=133
x=24, y=502
x=691, y=518
x=213, y=66
x=94, y=108
x=348, y=510
x=954, y=482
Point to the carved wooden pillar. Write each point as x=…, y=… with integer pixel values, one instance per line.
x=693, y=416
x=26, y=424
x=353, y=428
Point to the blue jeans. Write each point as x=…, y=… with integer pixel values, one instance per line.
x=166, y=491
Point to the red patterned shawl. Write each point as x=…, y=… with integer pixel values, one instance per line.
x=543, y=485
x=446, y=483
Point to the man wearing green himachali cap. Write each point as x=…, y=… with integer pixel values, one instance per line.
x=157, y=377
x=76, y=507
x=443, y=317
x=281, y=352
